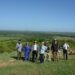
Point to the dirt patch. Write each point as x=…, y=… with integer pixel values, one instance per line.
x=5, y=64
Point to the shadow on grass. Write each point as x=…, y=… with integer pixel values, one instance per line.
x=22, y=58
x=16, y=58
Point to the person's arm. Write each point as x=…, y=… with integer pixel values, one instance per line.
x=16, y=46
x=58, y=47
x=38, y=47
x=32, y=48
x=68, y=48
x=46, y=49
x=22, y=47
x=51, y=47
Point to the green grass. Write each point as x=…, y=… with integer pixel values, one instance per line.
x=8, y=43
x=11, y=66
x=3, y=38
x=17, y=67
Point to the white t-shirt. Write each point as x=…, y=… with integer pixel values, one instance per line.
x=35, y=47
x=19, y=47
x=65, y=46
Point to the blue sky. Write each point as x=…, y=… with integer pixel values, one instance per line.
x=38, y=15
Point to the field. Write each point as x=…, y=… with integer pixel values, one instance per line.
x=10, y=66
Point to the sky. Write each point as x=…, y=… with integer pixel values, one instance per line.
x=37, y=15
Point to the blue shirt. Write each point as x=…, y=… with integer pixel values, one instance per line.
x=27, y=48
x=43, y=49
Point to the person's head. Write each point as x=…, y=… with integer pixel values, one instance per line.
x=35, y=42
x=43, y=43
x=27, y=43
x=55, y=41
x=19, y=41
x=65, y=41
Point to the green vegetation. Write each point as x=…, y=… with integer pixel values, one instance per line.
x=10, y=66
x=8, y=39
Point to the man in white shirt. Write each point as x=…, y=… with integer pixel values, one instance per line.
x=65, y=51
x=35, y=51
x=19, y=49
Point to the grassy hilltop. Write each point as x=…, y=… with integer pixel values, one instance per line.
x=10, y=66
x=8, y=39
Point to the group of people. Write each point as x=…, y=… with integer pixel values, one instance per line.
x=41, y=51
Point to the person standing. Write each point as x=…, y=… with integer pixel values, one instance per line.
x=42, y=52
x=65, y=51
x=19, y=49
x=47, y=52
x=27, y=50
x=54, y=48
x=34, y=51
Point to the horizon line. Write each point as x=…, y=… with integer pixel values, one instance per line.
x=39, y=31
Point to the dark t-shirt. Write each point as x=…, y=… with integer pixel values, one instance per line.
x=54, y=47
